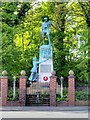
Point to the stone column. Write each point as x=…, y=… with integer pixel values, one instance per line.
x=53, y=79
x=4, y=88
x=71, y=88
x=22, y=87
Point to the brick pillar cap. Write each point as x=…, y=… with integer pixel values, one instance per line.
x=53, y=76
x=23, y=76
x=53, y=73
x=4, y=77
x=71, y=76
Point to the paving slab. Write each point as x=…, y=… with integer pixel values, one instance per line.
x=44, y=108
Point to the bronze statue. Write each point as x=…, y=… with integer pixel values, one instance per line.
x=34, y=73
x=46, y=29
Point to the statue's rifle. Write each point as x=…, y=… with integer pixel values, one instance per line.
x=53, y=26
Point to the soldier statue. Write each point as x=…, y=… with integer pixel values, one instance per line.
x=46, y=29
x=34, y=74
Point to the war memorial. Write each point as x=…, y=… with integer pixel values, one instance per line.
x=42, y=86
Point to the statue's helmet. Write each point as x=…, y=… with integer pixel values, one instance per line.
x=45, y=18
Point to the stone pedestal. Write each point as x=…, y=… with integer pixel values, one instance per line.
x=22, y=87
x=4, y=90
x=46, y=65
x=53, y=90
x=71, y=90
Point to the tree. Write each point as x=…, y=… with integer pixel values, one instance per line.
x=86, y=10
x=59, y=52
x=11, y=55
x=14, y=12
x=77, y=38
x=22, y=38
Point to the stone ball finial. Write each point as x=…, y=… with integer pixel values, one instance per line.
x=53, y=73
x=4, y=73
x=23, y=73
x=61, y=78
x=71, y=73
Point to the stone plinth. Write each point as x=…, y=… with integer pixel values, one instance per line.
x=46, y=65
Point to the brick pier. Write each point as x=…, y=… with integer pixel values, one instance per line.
x=53, y=79
x=71, y=89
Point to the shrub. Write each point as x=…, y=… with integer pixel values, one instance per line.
x=65, y=96
x=10, y=94
x=81, y=95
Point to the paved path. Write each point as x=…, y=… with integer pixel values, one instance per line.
x=44, y=112
x=44, y=108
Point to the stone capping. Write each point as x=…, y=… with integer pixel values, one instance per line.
x=71, y=77
x=53, y=76
x=4, y=77
x=23, y=77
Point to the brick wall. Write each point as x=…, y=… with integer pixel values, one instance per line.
x=4, y=92
x=13, y=103
x=53, y=84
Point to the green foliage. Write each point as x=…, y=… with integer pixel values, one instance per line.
x=21, y=36
x=65, y=96
x=13, y=12
x=10, y=95
x=81, y=95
